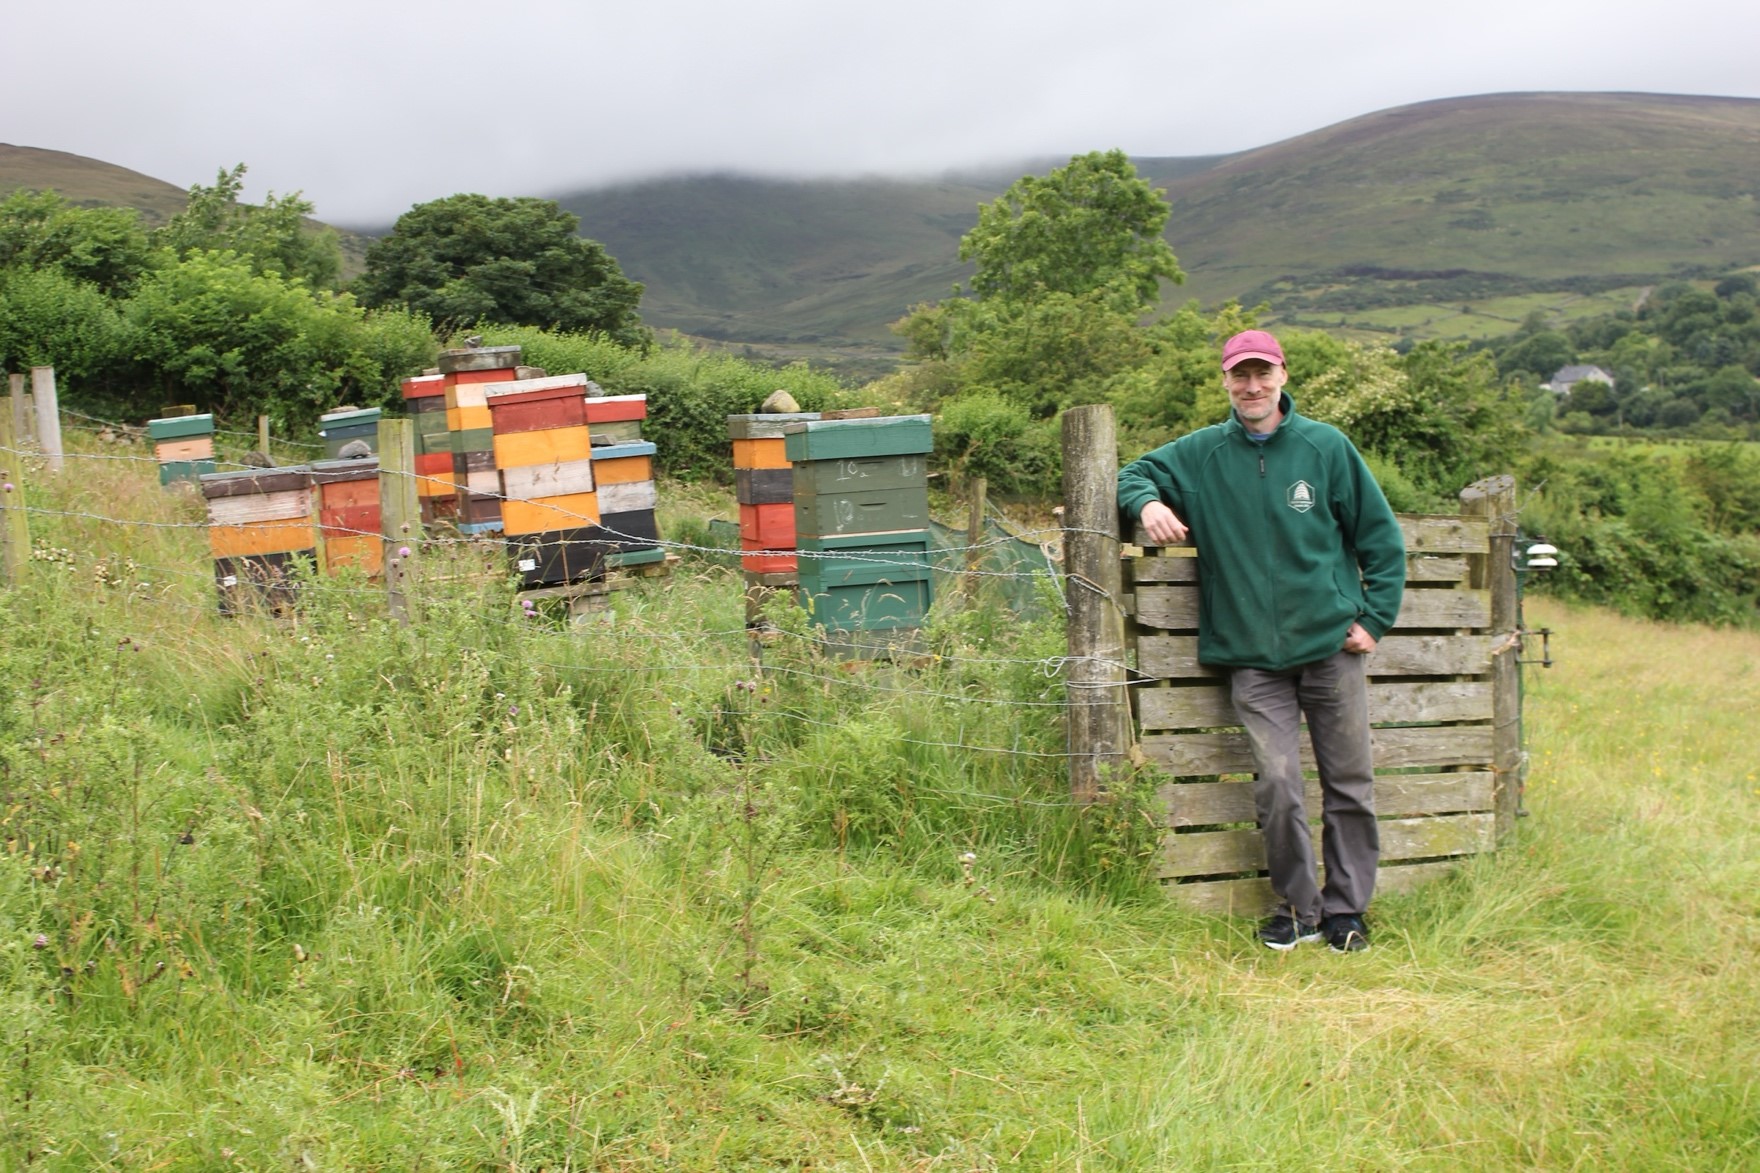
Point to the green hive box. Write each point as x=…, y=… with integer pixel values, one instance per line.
x=863, y=511
x=853, y=439
x=184, y=470
x=861, y=474
x=869, y=582
x=179, y=427
x=340, y=427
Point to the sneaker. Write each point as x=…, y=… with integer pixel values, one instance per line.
x=1346, y=933
x=1283, y=932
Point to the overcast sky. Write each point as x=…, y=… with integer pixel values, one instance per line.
x=369, y=106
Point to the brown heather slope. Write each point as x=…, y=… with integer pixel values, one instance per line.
x=88, y=181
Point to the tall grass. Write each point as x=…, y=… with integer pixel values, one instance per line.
x=498, y=893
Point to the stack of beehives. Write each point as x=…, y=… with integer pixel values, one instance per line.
x=260, y=520
x=861, y=517
x=183, y=445
x=543, y=448
x=763, y=482
x=464, y=374
x=573, y=506
x=425, y=398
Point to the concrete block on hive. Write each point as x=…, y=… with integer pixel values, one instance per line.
x=479, y=358
x=765, y=427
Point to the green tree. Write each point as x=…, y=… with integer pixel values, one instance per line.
x=520, y=262
x=276, y=236
x=49, y=318
x=105, y=247
x=237, y=341
x=1090, y=225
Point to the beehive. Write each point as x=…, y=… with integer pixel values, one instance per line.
x=861, y=516
x=425, y=398
x=259, y=522
x=183, y=445
x=763, y=482
x=464, y=374
x=347, y=493
x=338, y=428
x=542, y=449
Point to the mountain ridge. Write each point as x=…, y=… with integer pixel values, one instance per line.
x=1379, y=223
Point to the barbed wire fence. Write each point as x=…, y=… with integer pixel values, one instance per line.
x=146, y=547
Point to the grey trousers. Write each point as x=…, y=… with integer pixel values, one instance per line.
x=1334, y=696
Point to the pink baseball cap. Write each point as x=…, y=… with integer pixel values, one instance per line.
x=1251, y=344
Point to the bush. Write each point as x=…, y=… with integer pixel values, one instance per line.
x=691, y=391
x=985, y=435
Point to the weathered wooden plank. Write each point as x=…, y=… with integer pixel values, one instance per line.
x=1175, y=657
x=1444, y=534
x=1172, y=568
x=1424, y=534
x=1168, y=607
x=1444, y=608
x=558, y=479
x=1209, y=804
x=1163, y=568
x=1198, y=754
x=1253, y=896
x=1208, y=706
x=1494, y=500
x=1423, y=568
x=281, y=506
x=1215, y=853
x=1174, y=607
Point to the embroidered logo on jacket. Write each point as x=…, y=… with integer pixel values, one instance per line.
x=1300, y=496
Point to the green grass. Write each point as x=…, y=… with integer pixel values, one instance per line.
x=502, y=894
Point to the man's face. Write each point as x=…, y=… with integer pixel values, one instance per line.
x=1255, y=387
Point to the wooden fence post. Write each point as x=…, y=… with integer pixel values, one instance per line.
x=1494, y=499
x=1099, y=710
x=21, y=409
x=977, y=493
x=48, y=415
x=15, y=534
x=263, y=435
x=400, y=510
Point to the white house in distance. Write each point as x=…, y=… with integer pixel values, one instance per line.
x=1566, y=376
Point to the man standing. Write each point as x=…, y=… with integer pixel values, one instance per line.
x=1301, y=567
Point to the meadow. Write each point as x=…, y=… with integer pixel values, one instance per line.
x=489, y=892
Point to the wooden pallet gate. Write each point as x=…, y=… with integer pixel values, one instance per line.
x=1442, y=691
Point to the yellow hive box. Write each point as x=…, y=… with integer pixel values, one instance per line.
x=550, y=513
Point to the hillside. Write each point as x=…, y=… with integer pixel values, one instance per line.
x=1451, y=218
x=88, y=181
x=93, y=183
x=796, y=262
x=1421, y=208
x=1517, y=190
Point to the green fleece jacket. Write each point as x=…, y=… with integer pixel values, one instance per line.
x=1295, y=539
